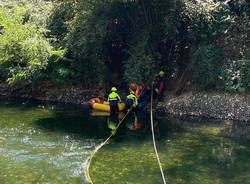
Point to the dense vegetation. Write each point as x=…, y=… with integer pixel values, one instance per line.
x=201, y=43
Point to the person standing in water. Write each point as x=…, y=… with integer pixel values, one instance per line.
x=113, y=100
x=131, y=100
x=159, y=87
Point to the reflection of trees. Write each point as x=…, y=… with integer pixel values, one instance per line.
x=200, y=158
x=75, y=123
x=208, y=152
x=226, y=128
x=236, y=130
x=224, y=153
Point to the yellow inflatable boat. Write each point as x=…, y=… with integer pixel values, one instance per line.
x=100, y=104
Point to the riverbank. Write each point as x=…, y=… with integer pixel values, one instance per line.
x=212, y=105
x=47, y=91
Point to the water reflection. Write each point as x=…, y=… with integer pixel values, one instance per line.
x=52, y=145
x=112, y=122
x=191, y=151
x=39, y=144
x=236, y=129
x=133, y=121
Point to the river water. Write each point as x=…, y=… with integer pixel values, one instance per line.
x=51, y=144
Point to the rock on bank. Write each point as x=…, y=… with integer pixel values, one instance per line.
x=215, y=105
x=47, y=91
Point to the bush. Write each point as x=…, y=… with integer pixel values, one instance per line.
x=141, y=63
x=60, y=16
x=58, y=69
x=34, y=54
x=235, y=76
x=206, y=66
x=118, y=38
x=24, y=52
x=85, y=47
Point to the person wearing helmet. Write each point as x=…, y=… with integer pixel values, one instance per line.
x=113, y=100
x=131, y=100
x=159, y=85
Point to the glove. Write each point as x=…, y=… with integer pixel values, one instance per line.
x=156, y=90
x=113, y=132
x=134, y=105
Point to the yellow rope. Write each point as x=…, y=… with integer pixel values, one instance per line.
x=105, y=142
x=101, y=145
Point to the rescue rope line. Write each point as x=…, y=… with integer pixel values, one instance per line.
x=102, y=144
x=106, y=141
x=153, y=136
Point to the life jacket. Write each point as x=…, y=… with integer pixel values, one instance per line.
x=135, y=88
x=114, y=96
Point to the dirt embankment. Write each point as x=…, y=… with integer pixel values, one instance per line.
x=215, y=105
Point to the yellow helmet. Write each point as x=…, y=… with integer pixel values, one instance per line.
x=161, y=73
x=113, y=89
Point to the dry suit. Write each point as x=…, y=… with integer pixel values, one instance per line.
x=113, y=100
x=131, y=101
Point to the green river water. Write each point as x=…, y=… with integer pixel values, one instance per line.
x=51, y=144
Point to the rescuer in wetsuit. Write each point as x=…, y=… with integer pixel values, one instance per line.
x=159, y=86
x=131, y=100
x=113, y=100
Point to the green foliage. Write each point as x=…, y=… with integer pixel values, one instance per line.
x=13, y=36
x=58, y=69
x=240, y=7
x=85, y=46
x=24, y=52
x=207, y=21
x=35, y=11
x=111, y=40
x=111, y=34
x=127, y=36
x=141, y=63
x=58, y=20
x=206, y=66
x=34, y=54
x=235, y=76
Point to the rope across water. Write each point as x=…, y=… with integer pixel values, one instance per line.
x=120, y=122
x=101, y=145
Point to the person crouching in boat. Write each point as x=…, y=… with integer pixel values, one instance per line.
x=131, y=100
x=113, y=100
